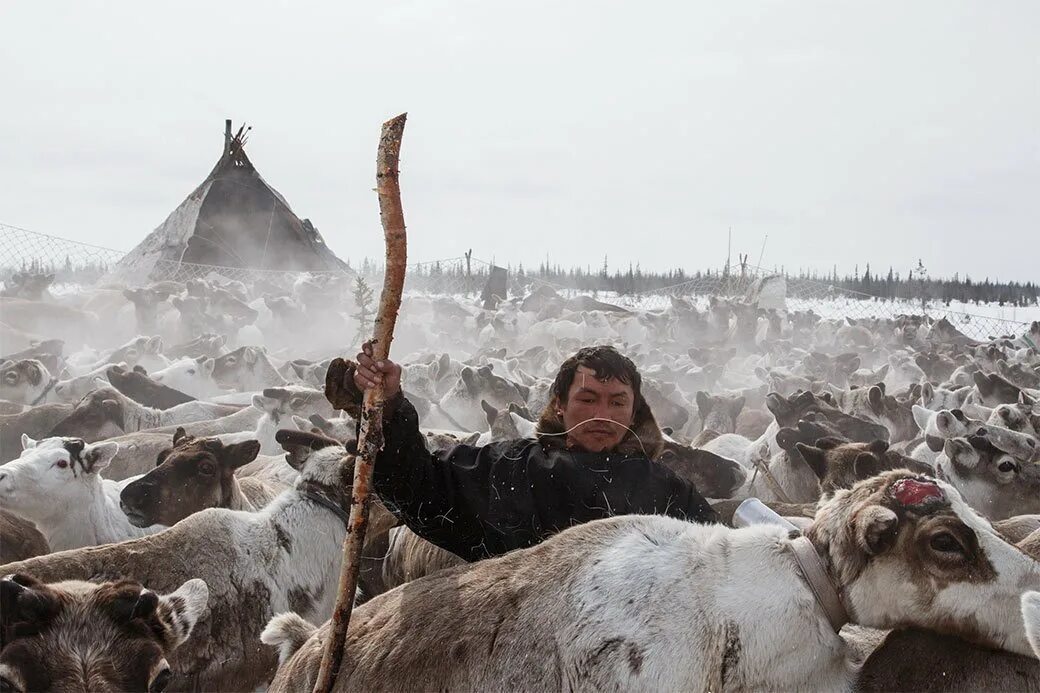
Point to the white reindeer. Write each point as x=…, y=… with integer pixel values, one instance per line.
x=56, y=483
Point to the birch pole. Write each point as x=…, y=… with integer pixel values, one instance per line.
x=370, y=437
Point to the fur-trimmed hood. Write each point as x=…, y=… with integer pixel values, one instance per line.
x=644, y=438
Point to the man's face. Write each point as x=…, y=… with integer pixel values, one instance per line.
x=590, y=398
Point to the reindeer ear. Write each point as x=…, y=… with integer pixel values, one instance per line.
x=249, y=355
x=921, y=416
x=179, y=611
x=876, y=399
x=489, y=412
x=113, y=411
x=99, y=455
x=865, y=466
x=299, y=445
x=28, y=442
x=469, y=379
x=927, y=392
x=703, y=403
x=875, y=529
x=234, y=456
x=206, y=365
x=736, y=406
x=1030, y=603
x=961, y=453
x=23, y=599
x=777, y=405
x=878, y=447
x=154, y=345
x=179, y=435
x=815, y=458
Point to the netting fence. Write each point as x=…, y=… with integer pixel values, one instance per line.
x=74, y=263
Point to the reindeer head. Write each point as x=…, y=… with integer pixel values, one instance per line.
x=906, y=550
x=51, y=474
x=23, y=381
x=80, y=636
x=236, y=369
x=718, y=412
x=994, y=482
x=291, y=400
x=97, y=416
x=193, y=475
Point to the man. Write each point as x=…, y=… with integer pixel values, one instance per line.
x=593, y=459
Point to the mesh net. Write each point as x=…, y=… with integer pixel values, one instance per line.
x=72, y=262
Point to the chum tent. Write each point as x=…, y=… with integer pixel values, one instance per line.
x=235, y=219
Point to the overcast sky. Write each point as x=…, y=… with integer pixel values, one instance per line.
x=848, y=132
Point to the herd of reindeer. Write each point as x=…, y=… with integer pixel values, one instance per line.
x=162, y=446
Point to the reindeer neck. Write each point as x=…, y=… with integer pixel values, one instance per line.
x=72, y=525
x=139, y=417
x=314, y=535
x=267, y=373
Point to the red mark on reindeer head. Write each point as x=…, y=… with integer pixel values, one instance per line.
x=916, y=491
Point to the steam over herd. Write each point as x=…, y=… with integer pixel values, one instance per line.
x=174, y=483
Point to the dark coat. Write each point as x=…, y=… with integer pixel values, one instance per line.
x=479, y=502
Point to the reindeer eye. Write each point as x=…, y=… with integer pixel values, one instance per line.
x=61, y=464
x=12, y=378
x=1006, y=466
x=945, y=543
x=206, y=468
x=191, y=371
x=231, y=361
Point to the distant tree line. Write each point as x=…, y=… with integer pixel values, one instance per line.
x=67, y=271
x=459, y=275
x=632, y=279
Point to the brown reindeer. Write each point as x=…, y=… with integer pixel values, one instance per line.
x=81, y=636
x=195, y=474
x=19, y=539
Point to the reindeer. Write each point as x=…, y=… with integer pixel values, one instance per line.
x=80, y=636
x=646, y=602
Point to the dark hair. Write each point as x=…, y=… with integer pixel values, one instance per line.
x=606, y=362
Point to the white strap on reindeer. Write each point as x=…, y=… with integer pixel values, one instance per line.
x=819, y=582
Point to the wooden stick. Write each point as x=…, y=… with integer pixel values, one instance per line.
x=370, y=437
